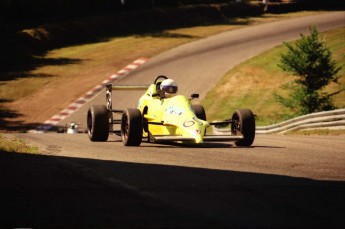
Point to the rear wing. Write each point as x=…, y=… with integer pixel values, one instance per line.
x=108, y=93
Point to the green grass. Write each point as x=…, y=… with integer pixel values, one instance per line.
x=15, y=145
x=253, y=83
x=336, y=42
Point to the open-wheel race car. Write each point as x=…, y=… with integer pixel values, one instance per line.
x=160, y=118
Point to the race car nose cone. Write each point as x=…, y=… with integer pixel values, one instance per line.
x=199, y=138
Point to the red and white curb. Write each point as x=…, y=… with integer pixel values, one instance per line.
x=53, y=121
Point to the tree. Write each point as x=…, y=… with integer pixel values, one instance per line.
x=310, y=60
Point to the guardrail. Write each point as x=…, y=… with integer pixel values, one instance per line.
x=325, y=119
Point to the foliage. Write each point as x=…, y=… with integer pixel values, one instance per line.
x=309, y=60
x=253, y=83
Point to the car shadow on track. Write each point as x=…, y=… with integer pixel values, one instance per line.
x=50, y=191
x=210, y=145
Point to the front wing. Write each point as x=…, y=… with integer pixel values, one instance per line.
x=173, y=138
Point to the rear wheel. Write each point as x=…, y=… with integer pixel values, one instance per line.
x=98, y=123
x=199, y=111
x=132, y=127
x=244, y=122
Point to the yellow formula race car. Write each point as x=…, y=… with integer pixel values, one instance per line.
x=163, y=118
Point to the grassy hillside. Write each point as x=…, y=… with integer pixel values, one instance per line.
x=253, y=83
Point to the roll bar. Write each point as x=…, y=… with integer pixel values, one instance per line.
x=109, y=88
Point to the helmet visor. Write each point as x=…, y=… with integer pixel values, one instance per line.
x=169, y=89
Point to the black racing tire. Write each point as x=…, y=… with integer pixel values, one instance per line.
x=98, y=123
x=132, y=127
x=199, y=111
x=244, y=123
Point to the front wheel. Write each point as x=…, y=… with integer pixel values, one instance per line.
x=199, y=111
x=132, y=127
x=98, y=123
x=244, y=122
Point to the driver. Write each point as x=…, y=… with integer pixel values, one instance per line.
x=168, y=88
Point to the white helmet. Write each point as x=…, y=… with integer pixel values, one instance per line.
x=168, y=88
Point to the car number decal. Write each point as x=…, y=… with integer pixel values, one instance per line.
x=188, y=123
x=195, y=119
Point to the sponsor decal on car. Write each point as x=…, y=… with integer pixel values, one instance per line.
x=174, y=110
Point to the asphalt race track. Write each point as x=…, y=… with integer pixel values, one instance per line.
x=280, y=181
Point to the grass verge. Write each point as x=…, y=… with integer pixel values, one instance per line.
x=15, y=145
